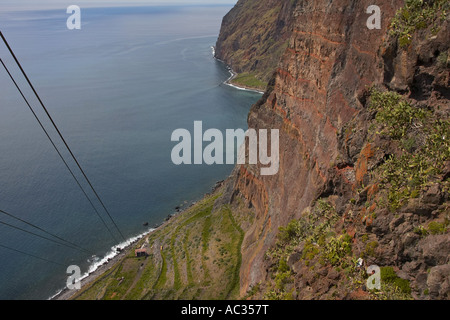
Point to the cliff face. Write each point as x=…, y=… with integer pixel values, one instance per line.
x=253, y=37
x=364, y=174
x=319, y=99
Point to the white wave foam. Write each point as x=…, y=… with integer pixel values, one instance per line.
x=232, y=75
x=244, y=89
x=114, y=251
x=96, y=262
x=56, y=294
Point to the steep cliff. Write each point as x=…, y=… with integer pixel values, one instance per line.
x=253, y=36
x=320, y=100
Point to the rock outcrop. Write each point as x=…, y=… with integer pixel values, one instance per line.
x=253, y=37
x=319, y=98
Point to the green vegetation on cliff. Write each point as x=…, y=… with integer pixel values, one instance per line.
x=253, y=37
x=406, y=157
x=196, y=255
x=423, y=145
x=249, y=80
x=417, y=15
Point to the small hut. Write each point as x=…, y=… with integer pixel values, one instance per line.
x=140, y=253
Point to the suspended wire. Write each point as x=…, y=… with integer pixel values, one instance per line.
x=59, y=133
x=38, y=235
x=57, y=150
x=43, y=230
x=31, y=255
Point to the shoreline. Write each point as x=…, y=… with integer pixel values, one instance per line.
x=233, y=75
x=108, y=262
x=119, y=251
x=99, y=268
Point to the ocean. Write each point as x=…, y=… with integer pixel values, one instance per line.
x=117, y=89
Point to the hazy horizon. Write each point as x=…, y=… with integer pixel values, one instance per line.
x=17, y=5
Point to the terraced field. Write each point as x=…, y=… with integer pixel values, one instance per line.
x=196, y=255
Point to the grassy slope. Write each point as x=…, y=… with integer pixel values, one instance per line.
x=197, y=255
x=249, y=80
x=252, y=43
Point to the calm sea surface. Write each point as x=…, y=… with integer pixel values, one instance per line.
x=117, y=89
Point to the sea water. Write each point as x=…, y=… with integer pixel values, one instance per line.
x=117, y=89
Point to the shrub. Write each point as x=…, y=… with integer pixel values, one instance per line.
x=416, y=15
x=396, y=115
x=282, y=279
x=283, y=266
x=423, y=141
x=421, y=231
x=364, y=238
x=291, y=231
x=338, y=248
x=435, y=227
x=389, y=276
x=310, y=251
x=369, y=250
x=254, y=289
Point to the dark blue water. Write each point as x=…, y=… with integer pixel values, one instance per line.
x=117, y=89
